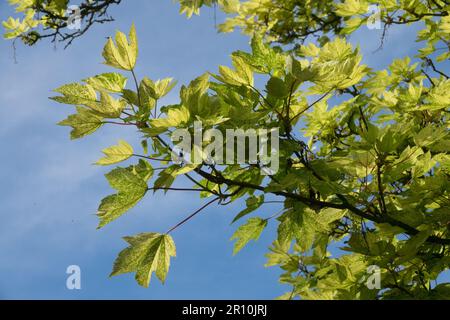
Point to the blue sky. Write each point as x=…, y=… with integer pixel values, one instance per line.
x=50, y=190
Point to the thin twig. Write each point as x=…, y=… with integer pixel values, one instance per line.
x=192, y=215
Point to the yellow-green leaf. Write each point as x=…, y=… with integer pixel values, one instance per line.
x=83, y=123
x=116, y=154
x=112, y=82
x=131, y=187
x=123, y=54
x=251, y=230
x=147, y=253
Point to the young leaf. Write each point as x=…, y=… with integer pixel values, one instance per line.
x=297, y=225
x=131, y=189
x=83, y=123
x=253, y=203
x=76, y=94
x=116, y=154
x=147, y=253
x=79, y=94
x=277, y=88
x=163, y=87
x=111, y=82
x=108, y=106
x=410, y=247
x=175, y=117
x=251, y=230
x=351, y=7
x=123, y=55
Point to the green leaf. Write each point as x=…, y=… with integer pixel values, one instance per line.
x=111, y=82
x=165, y=178
x=131, y=189
x=175, y=118
x=251, y=230
x=279, y=254
x=263, y=59
x=230, y=6
x=85, y=122
x=372, y=134
x=76, y=94
x=411, y=246
x=123, y=54
x=143, y=169
x=297, y=225
x=163, y=87
x=253, y=203
x=130, y=97
x=242, y=75
x=430, y=135
x=352, y=7
x=108, y=106
x=229, y=76
x=352, y=25
x=147, y=253
x=116, y=154
x=243, y=70
x=277, y=88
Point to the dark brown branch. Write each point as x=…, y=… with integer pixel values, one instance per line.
x=90, y=14
x=431, y=64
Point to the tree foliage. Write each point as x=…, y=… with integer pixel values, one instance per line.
x=364, y=154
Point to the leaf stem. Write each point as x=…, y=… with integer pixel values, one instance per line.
x=192, y=215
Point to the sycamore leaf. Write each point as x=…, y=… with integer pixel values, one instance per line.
x=297, y=225
x=352, y=7
x=147, y=88
x=277, y=254
x=242, y=75
x=184, y=169
x=190, y=8
x=83, y=123
x=230, y=6
x=147, y=253
x=175, y=117
x=79, y=94
x=116, y=154
x=130, y=97
x=263, y=59
x=243, y=70
x=276, y=87
x=16, y=27
x=253, y=203
x=352, y=25
x=410, y=247
x=163, y=87
x=229, y=76
x=112, y=82
x=123, y=54
x=143, y=169
x=165, y=178
x=108, y=106
x=76, y=94
x=251, y=230
x=151, y=91
x=309, y=50
x=131, y=188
